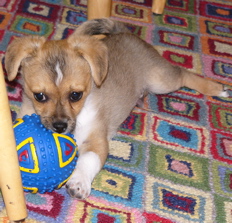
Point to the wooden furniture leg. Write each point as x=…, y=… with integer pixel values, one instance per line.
x=98, y=8
x=158, y=6
x=102, y=8
x=10, y=177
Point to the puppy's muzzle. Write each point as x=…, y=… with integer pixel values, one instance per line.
x=60, y=127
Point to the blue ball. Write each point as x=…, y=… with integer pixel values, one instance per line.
x=46, y=159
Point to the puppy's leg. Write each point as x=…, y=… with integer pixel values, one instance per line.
x=92, y=156
x=202, y=85
x=171, y=78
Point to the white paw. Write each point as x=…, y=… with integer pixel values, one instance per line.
x=224, y=93
x=79, y=185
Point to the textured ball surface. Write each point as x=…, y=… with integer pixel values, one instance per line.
x=46, y=159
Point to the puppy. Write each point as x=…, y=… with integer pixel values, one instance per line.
x=89, y=86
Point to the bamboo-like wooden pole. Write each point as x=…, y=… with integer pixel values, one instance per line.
x=98, y=9
x=10, y=177
x=158, y=6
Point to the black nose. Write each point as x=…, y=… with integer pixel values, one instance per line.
x=60, y=126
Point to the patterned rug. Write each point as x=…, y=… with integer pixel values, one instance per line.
x=171, y=160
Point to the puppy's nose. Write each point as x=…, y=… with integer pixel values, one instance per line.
x=60, y=126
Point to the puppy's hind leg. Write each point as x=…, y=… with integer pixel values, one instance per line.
x=202, y=85
x=170, y=78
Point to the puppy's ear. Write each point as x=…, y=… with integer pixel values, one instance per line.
x=94, y=52
x=20, y=49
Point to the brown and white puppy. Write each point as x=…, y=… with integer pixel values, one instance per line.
x=89, y=86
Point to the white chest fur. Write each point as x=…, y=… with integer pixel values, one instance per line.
x=85, y=121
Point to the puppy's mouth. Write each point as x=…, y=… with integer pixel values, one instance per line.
x=60, y=126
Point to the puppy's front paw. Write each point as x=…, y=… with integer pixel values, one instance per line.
x=78, y=186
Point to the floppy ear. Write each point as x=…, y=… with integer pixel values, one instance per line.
x=94, y=52
x=20, y=49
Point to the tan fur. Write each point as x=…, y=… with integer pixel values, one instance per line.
x=98, y=140
x=113, y=73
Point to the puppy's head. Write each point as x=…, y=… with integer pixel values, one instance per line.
x=57, y=75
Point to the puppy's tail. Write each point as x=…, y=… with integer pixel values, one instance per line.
x=105, y=26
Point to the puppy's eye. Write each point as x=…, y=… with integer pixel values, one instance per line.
x=40, y=97
x=75, y=96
